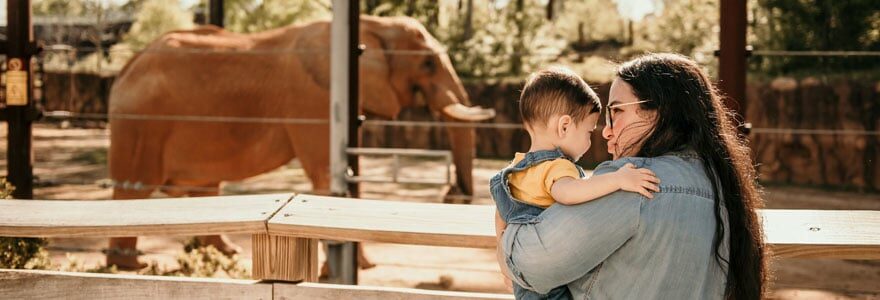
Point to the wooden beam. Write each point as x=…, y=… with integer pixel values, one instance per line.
x=32, y=284
x=175, y=216
x=321, y=291
x=36, y=284
x=451, y=225
x=842, y=234
x=790, y=233
x=285, y=258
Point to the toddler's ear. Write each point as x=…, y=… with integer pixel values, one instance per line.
x=565, y=122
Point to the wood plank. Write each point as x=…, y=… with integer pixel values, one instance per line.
x=285, y=258
x=31, y=284
x=790, y=233
x=452, y=225
x=844, y=234
x=322, y=291
x=108, y=218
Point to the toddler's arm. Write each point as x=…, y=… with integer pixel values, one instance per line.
x=571, y=191
x=500, y=225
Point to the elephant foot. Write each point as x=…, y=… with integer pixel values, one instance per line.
x=221, y=243
x=363, y=262
x=125, y=262
x=325, y=271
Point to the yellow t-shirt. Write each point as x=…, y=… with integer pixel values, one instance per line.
x=533, y=185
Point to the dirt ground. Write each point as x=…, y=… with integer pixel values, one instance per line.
x=66, y=160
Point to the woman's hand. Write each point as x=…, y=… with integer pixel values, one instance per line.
x=642, y=181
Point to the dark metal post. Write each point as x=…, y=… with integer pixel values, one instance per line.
x=732, y=55
x=354, y=120
x=20, y=111
x=215, y=12
x=354, y=113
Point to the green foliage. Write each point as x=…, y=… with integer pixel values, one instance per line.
x=75, y=264
x=21, y=253
x=590, y=20
x=689, y=27
x=256, y=16
x=501, y=40
x=62, y=8
x=6, y=188
x=428, y=12
x=155, y=18
x=795, y=25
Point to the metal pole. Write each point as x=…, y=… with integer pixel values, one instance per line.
x=354, y=123
x=20, y=111
x=732, y=55
x=341, y=256
x=215, y=12
x=354, y=112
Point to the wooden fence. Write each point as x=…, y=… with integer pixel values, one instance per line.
x=286, y=229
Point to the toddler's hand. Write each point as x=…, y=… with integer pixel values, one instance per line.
x=508, y=284
x=641, y=181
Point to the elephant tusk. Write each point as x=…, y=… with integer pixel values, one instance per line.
x=464, y=113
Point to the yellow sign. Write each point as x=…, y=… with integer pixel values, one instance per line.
x=16, y=88
x=16, y=83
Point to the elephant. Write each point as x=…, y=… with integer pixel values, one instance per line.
x=280, y=73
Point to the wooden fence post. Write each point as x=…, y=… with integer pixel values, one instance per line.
x=284, y=258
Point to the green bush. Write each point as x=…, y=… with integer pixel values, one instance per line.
x=21, y=253
x=200, y=261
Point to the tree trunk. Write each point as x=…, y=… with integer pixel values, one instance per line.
x=410, y=7
x=519, y=44
x=630, y=34
x=581, y=39
x=468, y=21
x=372, y=5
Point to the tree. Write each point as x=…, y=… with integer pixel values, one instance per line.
x=155, y=18
x=255, y=16
x=794, y=25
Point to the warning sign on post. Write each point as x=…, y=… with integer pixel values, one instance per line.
x=16, y=83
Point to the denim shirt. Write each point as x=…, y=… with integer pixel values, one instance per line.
x=624, y=246
x=514, y=210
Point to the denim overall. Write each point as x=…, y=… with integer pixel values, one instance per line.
x=515, y=211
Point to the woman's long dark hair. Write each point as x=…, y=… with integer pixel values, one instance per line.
x=690, y=114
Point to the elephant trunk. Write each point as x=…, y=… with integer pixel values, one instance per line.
x=461, y=139
x=450, y=99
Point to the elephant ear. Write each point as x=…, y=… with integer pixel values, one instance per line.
x=377, y=94
x=376, y=89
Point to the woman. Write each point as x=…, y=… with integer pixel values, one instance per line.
x=699, y=238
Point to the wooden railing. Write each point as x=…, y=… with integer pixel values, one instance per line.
x=286, y=229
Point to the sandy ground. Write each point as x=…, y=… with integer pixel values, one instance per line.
x=79, y=155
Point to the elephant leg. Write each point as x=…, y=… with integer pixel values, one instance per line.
x=221, y=242
x=311, y=143
x=314, y=155
x=122, y=251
